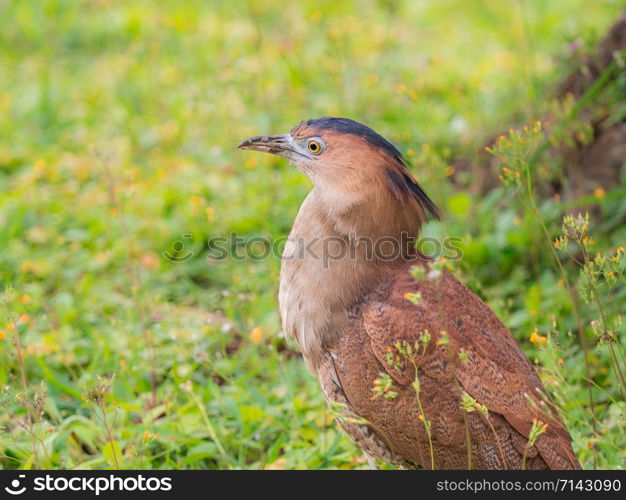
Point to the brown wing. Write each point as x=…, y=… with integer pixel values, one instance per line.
x=493, y=371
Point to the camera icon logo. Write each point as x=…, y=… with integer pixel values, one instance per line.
x=15, y=489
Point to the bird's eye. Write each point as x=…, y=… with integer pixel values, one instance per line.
x=314, y=146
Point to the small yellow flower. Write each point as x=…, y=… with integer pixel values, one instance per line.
x=539, y=425
x=25, y=299
x=2, y=334
x=24, y=318
x=256, y=335
x=599, y=193
x=535, y=338
x=414, y=298
x=444, y=339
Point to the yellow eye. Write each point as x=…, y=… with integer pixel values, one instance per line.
x=314, y=146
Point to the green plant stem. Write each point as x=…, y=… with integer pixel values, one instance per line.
x=495, y=436
x=207, y=422
x=570, y=291
x=468, y=439
x=616, y=365
x=109, y=432
x=425, y=422
x=30, y=417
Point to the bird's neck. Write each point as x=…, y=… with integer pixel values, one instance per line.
x=335, y=254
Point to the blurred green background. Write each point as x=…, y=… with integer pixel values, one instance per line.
x=118, y=127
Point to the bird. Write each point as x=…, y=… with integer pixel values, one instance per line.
x=418, y=370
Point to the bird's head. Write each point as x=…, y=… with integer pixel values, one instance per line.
x=346, y=160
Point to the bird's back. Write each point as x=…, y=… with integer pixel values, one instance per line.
x=476, y=391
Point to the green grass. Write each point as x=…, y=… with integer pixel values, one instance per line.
x=118, y=127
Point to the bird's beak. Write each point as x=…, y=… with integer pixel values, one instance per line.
x=282, y=145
